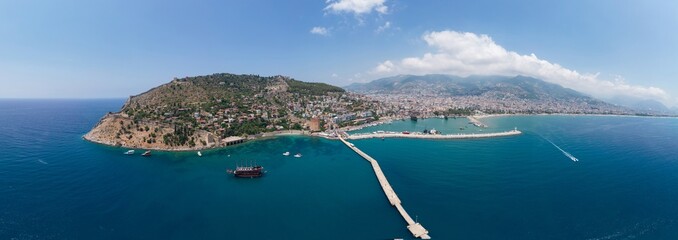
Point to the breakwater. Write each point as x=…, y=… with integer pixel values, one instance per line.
x=431, y=136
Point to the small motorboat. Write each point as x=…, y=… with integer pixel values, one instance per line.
x=298, y=155
x=147, y=153
x=199, y=154
x=129, y=152
x=286, y=153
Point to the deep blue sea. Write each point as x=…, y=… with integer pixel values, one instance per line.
x=55, y=185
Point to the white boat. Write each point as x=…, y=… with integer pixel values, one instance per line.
x=286, y=153
x=199, y=154
x=298, y=155
x=129, y=152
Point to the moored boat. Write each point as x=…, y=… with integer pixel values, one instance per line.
x=199, y=154
x=147, y=153
x=286, y=153
x=129, y=152
x=298, y=155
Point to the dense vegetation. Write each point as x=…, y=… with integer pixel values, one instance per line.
x=228, y=105
x=311, y=88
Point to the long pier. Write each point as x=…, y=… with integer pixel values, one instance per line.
x=415, y=228
x=432, y=136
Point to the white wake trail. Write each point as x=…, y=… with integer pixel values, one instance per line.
x=567, y=154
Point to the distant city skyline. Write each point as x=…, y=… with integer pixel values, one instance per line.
x=102, y=49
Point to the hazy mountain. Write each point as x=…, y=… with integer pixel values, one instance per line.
x=643, y=105
x=498, y=89
x=520, y=86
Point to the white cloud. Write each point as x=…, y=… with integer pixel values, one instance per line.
x=356, y=7
x=320, y=31
x=384, y=27
x=385, y=67
x=464, y=53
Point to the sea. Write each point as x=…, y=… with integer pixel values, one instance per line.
x=55, y=185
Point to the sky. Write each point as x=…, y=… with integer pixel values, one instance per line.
x=114, y=49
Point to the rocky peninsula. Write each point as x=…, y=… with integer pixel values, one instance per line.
x=216, y=110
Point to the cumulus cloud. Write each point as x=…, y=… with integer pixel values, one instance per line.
x=384, y=68
x=320, y=31
x=465, y=53
x=384, y=27
x=357, y=7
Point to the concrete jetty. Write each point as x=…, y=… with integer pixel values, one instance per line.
x=415, y=228
x=431, y=136
x=476, y=122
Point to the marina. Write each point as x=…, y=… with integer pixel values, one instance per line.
x=406, y=134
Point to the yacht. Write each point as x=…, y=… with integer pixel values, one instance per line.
x=146, y=153
x=199, y=154
x=298, y=155
x=129, y=152
x=286, y=153
x=247, y=172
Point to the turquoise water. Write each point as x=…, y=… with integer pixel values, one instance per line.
x=449, y=126
x=54, y=185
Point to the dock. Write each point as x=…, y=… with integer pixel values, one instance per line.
x=414, y=227
x=476, y=122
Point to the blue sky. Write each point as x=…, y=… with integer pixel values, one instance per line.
x=108, y=49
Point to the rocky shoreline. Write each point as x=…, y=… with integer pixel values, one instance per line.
x=108, y=125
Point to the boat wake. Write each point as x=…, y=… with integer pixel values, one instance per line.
x=43, y=162
x=567, y=154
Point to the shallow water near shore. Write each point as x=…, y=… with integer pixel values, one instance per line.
x=54, y=185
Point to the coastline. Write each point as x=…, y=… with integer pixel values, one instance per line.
x=433, y=136
x=260, y=136
x=482, y=116
x=88, y=137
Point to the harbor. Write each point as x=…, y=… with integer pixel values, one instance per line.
x=414, y=227
x=431, y=136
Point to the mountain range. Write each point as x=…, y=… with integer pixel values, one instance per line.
x=520, y=86
x=486, y=88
